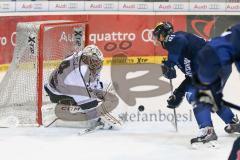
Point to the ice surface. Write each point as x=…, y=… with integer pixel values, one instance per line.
x=142, y=138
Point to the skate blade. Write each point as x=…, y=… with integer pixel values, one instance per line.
x=200, y=145
x=92, y=129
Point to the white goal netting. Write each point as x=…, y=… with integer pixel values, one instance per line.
x=40, y=46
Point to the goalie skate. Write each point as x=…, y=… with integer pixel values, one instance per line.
x=94, y=127
x=103, y=122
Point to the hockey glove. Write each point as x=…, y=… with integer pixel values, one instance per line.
x=169, y=71
x=175, y=100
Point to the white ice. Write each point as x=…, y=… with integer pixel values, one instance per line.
x=137, y=140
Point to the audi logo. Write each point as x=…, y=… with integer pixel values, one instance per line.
x=5, y=6
x=147, y=35
x=73, y=5
x=178, y=6
x=142, y=6
x=108, y=6
x=214, y=6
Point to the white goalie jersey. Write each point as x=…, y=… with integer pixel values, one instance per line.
x=73, y=78
x=77, y=80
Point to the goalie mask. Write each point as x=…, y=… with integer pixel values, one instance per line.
x=93, y=57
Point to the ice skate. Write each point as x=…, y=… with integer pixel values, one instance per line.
x=106, y=122
x=207, y=137
x=233, y=127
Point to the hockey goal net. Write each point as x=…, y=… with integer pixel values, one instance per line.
x=40, y=46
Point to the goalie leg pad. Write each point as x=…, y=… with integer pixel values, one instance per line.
x=65, y=112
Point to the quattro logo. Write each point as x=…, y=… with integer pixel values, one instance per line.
x=147, y=35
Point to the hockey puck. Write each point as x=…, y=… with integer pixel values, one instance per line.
x=141, y=108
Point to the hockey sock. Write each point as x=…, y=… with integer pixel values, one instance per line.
x=225, y=114
x=203, y=115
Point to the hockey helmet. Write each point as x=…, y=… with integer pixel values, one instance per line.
x=93, y=57
x=162, y=28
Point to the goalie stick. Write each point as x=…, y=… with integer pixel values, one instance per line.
x=104, y=113
x=99, y=124
x=80, y=60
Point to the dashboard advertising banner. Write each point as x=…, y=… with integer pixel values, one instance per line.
x=113, y=34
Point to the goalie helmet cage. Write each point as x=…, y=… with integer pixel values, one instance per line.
x=40, y=47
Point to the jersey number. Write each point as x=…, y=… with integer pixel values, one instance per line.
x=170, y=38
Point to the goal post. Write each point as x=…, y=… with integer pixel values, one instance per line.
x=40, y=47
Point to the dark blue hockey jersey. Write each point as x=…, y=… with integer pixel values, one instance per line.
x=235, y=37
x=182, y=51
x=218, y=54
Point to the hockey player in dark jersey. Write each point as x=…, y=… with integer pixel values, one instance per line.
x=182, y=50
x=222, y=52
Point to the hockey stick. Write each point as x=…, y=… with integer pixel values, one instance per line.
x=107, y=89
x=106, y=113
x=99, y=124
x=231, y=105
x=174, y=110
x=80, y=60
x=109, y=115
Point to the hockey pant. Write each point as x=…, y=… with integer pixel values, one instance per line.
x=202, y=111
